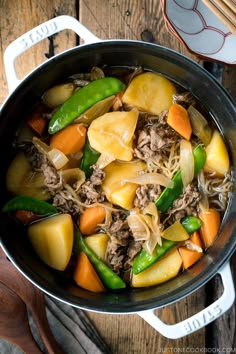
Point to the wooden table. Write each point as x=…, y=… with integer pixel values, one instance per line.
x=129, y=19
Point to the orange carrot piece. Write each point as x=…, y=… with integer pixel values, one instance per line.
x=210, y=226
x=90, y=218
x=189, y=257
x=195, y=238
x=178, y=119
x=37, y=121
x=69, y=140
x=26, y=217
x=86, y=276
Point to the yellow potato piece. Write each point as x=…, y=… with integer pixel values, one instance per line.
x=16, y=173
x=150, y=92
x=52, y=240
x=98, y=243
x=175, y=232
x=161, y=271
x=217, y=159
x=116, y=192
x=113, y=134
x=21, y=180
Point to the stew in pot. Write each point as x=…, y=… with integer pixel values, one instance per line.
x=120, y=178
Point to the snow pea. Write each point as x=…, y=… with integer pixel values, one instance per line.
x=191, y=223
x=34, y=205
x=144, y=259
x=110, y=279
x=169, y=195
x=90, y=157
x=83, y=99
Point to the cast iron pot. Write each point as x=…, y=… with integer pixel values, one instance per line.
x=118, y=53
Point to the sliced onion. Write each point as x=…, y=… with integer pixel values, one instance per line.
x=40, y=145
x=57, y=158
x=24, y=134
x=73, y=176
x=186, y=162
x=76, y=156
x=204, y=202
x=138, y=227
x=150, y=178
x=200, y=125
x=192, y=246
x=104, y=160
x=152, y=212
x=146, y=226
x=97, y=110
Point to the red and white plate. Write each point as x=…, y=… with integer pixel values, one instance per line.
x=192, y=22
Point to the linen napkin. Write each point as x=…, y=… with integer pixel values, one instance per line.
x=71, y=328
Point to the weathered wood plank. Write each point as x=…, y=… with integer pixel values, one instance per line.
x=138, y=20
x=18, y=17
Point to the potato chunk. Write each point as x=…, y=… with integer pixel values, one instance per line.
x=21, y=180
x=117, y=192
x=98, y=243
x=150, y=92
x=52, y=240
x=113, y=134
x=217, y=159
x=161, y=271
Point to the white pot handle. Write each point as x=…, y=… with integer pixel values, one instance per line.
x=202, y=318
x=37, y=34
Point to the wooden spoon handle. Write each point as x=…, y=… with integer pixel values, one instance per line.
x=33, y=298
x=14, y=325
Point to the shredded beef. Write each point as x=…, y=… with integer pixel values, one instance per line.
x=36, y=159
x=153, y=137
x=90, y=192
x=146, y=194
x=40, y=163
x=186, y=204
x=64, y=202
x=120, y=236
x=134, y=248
x=184, y=99
x=52, y=179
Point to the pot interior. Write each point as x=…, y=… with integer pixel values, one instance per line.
x=117, y=53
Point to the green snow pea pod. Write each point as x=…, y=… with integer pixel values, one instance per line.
x=83, y=99
x=144, y=259
x=169, y=195
x=191, y=224
x=90, y=157
x=34, y=205
x=110, y=279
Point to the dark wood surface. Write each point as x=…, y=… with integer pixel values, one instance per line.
x=130, y=19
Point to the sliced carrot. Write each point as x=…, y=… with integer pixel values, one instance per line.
x=195, y=238
x=37, y=121
x=179, y=120
x=26, y=217
x=210, y=226
x=86, y=276
x=189, y=257
x=90, y=219
x=69, y=140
